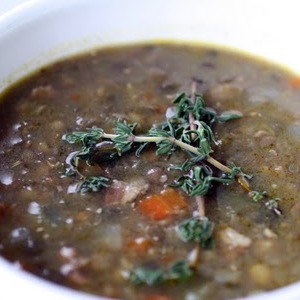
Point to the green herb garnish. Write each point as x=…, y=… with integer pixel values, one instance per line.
x=179, y=271
x=92, y=184
x=199, y=230
x=189, y=129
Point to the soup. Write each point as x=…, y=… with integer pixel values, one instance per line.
x=116, y=223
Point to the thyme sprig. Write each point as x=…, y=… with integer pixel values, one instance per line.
x=175, y=133
x=168, y=136
x=189, y=129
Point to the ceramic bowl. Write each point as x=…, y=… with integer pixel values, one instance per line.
x=40, y=32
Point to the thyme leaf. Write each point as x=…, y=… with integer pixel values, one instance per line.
x=92, y=184
x=124, y=136
x=186, y=105
x=229, y=115
x=257, y=196
x=91, y=136
x=178, y=271
x=199, y=230
x=146, y=276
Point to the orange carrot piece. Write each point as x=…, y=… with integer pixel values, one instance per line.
x=295, y=82
x=162, y=205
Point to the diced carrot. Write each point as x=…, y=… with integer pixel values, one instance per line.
x=162, y=205
x=295, y=82
x=140, y=245
x=157, y=297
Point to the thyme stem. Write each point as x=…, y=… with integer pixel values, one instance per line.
x=182, y=145
x=199, y=199
x=191, y=116
x=200, y=204
x=217, y=164
x=244, y=184
x=153, y=139
x=109, y=136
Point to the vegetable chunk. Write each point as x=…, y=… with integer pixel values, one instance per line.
x=163, y=205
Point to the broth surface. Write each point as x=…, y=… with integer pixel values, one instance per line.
x=89, y=241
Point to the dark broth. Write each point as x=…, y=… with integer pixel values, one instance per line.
x=88, y=242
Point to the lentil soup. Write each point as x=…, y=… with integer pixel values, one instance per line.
x=91, y=241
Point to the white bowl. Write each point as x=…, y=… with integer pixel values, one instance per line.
x=39, y=32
